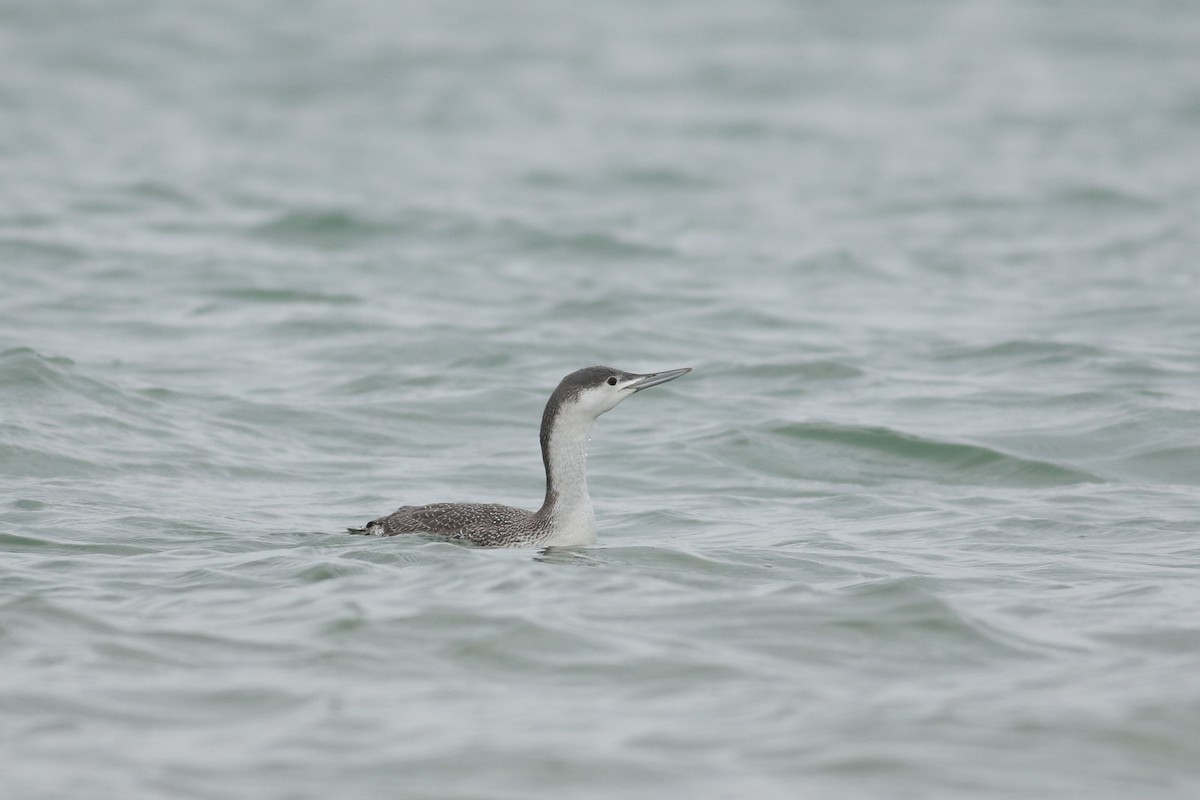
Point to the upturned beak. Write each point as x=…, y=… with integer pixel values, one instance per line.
x=655, y=378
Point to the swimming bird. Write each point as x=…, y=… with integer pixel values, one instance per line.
x=566, y=517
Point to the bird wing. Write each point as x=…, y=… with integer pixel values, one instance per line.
x=476, y=522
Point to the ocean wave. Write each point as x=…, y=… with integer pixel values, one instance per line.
x=595, y=243
x=838, y=453
x=1024, y=351
x=258, y=294
x=339, y=227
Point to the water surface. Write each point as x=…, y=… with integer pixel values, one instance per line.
x=922, y=523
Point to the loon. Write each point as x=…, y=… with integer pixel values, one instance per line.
x=565, y=518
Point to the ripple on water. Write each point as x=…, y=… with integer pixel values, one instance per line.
x=599, y=244
x=338, y=228
x=872, y=455
x=259, y=294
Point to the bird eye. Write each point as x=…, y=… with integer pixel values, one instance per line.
x=612, y=381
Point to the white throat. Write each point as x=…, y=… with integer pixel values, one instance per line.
x=567, y=500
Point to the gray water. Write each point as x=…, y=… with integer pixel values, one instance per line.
x=923, y=523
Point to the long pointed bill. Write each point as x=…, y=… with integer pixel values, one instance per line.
x=655, y=378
